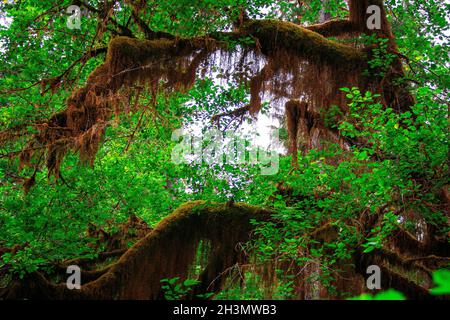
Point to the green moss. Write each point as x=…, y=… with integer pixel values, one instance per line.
x=131, y=48
x=274, y=35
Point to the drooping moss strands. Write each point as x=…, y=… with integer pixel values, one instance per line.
x=166, y=252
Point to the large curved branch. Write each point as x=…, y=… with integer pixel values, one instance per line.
x=275, y=35
x=167, y=252
x=335, y=28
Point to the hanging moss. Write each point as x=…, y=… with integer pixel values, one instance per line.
x=335, y=28
x=167, y=252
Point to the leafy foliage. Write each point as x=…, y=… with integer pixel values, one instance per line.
x=394, y=164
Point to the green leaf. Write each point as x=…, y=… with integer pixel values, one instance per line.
x=442, y=280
